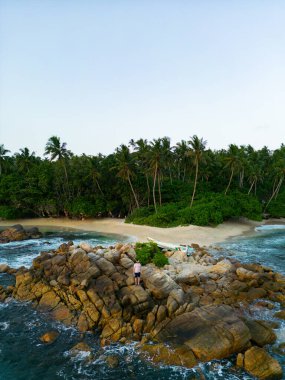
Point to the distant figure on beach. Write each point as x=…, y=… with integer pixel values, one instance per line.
x=137, y=272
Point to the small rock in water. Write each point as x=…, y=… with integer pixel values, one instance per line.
x=81, y=346
x=112, y=361
x=3, y=268
x=280, y=314
x=49, y=337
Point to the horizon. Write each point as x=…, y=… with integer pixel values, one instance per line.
x=99, y=74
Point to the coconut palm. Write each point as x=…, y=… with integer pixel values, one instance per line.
x=25, y=159
x=156, y=164
x=232, y=161
x=278, y=167
x=181, y=157
x=124, y=167
x=3, y=156
x=142, y=149
x=57, y=151
x=197, y=148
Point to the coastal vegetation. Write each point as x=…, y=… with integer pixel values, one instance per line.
x=148, y=182
x=150, y=253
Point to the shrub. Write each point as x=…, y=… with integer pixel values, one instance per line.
x=149, y=252
x=8, y=212
x=160, y=260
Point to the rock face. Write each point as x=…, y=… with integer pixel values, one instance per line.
x=195, y=307
x=17, y=233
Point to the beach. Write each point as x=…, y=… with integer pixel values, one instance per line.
x=204, y=236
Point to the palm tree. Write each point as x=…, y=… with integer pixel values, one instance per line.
x=57, y=151
x=142, y=149
x=25, y=159
x=167, y=152
x=197, y=147
x=156, y=164
x=124, y=163
x=3, y=156
x=181, y=154
x=95, y=170
x=233, y=161
x=279, y=172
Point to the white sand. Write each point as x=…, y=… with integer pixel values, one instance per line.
x=203, y=236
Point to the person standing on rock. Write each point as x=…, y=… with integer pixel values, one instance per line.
x=137, y=272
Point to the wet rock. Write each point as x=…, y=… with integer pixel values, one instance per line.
x=49, y=337
x=18, y=233
x=80, y=347
x=112, y=361
x=261, y=365
x=4, y=268
x=280, y=314
x=160, y=353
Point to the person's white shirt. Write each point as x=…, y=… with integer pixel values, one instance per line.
x=137, y=267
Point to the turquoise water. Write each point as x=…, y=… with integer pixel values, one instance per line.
x=24, y=357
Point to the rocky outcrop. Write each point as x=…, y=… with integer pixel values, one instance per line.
x=18, y=233
x=193, y=311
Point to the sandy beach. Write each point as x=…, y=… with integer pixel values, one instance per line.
x=204, y=236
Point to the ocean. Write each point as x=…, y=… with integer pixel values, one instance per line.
x=24, y=357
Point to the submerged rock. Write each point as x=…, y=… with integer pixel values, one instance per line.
x=49, y=337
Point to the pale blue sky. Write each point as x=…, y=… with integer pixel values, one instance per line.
x=98, y=73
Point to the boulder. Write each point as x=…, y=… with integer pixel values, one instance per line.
x=158, y=282
x=4, y=268
x=161, y=353
x=211, y=332
x=261, y=334
x=261, y=365
x=18, y=233
x=49, y=337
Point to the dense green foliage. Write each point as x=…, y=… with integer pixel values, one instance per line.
x=150, y=253
x=211, y=209
x=151, y=183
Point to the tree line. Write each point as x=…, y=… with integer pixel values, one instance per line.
x=150, y=182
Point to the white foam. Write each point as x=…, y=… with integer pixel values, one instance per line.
x=4, y=325
x=270, y=227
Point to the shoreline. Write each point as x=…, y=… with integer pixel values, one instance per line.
x=204, y=236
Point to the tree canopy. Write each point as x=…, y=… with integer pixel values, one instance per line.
x=150, y=182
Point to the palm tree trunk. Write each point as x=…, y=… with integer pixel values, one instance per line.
x=170, y=175
x=278, y=187
x=229, y=184
x=195, y=183
x=274, y=192
x=153, y=188
x=251, y=186
x=184, y=173
x=159, y=191
x=99, y=187
x=134, y=194
x=148, y=190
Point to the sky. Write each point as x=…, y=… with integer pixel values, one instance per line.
x=99, y=73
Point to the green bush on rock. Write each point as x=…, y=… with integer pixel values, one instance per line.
x=150, y=253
